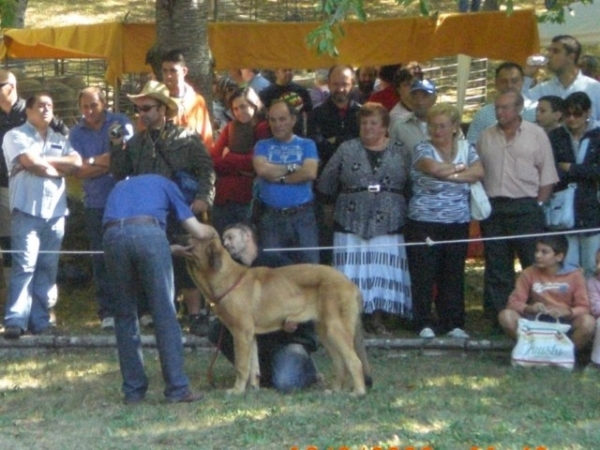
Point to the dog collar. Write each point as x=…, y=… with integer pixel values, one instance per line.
x=216, y=299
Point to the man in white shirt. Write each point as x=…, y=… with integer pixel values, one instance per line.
x=509, y=76
x=563, y=56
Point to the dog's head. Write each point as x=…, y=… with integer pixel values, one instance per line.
x=206, y=255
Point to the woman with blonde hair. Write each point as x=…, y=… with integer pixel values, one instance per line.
x=442, y=169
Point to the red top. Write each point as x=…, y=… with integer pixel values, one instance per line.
x=388, y=97
x=235, y=173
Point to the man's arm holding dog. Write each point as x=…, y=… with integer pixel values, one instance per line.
x=198, y=230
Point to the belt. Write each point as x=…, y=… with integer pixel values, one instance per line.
x=289, y=211
x=373, y=189
x=137, y=220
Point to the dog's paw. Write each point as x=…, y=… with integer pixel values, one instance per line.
x=235, y=391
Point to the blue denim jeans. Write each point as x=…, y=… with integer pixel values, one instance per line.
x=582, y=251
x=33, y=275
x=93, y=227
x=296, y=230
x=286, y=367
x=138, y=262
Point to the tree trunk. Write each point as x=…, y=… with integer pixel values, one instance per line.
x=183, y=25
x=13, y=13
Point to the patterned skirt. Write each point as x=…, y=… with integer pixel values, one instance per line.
x=379, y=267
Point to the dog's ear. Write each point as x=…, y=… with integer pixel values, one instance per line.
x=214, y=252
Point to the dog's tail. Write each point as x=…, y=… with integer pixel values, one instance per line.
x=359, y=344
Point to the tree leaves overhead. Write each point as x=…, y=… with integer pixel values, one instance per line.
x=335, y=12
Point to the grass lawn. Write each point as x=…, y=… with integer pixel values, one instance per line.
x=59, y=399
x=448, y=402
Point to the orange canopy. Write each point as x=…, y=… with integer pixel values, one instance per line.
x=494, y=35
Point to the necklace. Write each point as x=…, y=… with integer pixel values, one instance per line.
x=154, y=141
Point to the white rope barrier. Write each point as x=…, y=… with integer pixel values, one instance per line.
x=428, y=241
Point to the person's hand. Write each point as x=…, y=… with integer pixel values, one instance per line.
x=180, y=250
x=289, y=326
x=530, y=71
x=539, y=308
x=116, y=133
x=557, y=313
x=226, y=151
x=564, y=166
x=199, y=206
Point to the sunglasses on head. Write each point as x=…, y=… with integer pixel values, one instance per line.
x=145, y=108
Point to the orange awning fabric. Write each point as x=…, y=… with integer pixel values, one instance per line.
x=123, y=46
x=494, y=35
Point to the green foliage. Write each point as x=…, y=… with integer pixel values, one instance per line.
x=335, y=12
x=8, y=10
x=323, y=38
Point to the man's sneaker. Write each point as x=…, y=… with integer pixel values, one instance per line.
x=457, y=333
x=12, y=332
x=108, y=323
x=146, y=321
x=427, y=333
x=198, y=324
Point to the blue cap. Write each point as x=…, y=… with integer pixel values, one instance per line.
x=423, y=85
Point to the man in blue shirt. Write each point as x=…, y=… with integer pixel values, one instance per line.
x=286, y=166
x=139, y=265
x=90, y=137
x=38, y=158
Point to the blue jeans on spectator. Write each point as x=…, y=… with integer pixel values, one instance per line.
x=33, y=274
x=582, y=251
x=286, y=366
x=93, y=226
x=138, y=262
x=299, y=229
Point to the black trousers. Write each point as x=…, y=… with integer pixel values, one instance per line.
x=510, y=217
x=440, y=265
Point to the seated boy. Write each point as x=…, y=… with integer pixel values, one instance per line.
x=553, y=288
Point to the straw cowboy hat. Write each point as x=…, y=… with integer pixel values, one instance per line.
x=157, y=91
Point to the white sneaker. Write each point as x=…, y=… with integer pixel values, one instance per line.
x=108, y=323
x=146, y=321
x=427, y=333
x=457, y=333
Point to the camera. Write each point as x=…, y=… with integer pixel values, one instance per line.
x=116, y=131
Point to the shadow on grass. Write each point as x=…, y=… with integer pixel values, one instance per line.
x=449, y=400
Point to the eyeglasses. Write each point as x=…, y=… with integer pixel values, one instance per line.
x=574, y=114
x=145, y=108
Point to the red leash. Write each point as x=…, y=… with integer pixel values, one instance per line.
x=209, y=373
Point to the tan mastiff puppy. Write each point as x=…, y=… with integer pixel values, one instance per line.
x=259, y=300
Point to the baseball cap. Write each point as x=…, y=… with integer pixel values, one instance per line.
x=423, y=85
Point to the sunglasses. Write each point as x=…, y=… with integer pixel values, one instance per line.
x=145, y=108
x=575, y=114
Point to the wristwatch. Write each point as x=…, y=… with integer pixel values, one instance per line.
x=282, y=179
x=291, y=168
x=91, y=161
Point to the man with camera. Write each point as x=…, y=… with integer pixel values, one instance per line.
x=90, y=137
x=164, y=148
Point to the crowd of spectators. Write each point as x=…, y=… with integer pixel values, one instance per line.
x=367, y=163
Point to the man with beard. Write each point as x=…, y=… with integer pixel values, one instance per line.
x=365, y=77
x=329, y=125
